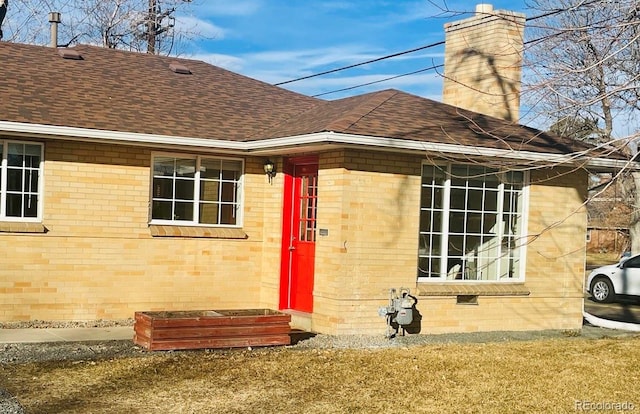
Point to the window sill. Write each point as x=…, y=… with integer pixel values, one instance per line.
x=480, y=289
x=196, y=232
x=21, y=227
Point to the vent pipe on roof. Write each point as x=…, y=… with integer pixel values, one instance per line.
x=54, y=19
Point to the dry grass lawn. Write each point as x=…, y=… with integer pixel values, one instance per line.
x=537, y=376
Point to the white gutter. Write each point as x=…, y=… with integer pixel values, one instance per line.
x=315, y=139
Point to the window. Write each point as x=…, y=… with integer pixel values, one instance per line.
x=196, y=190
x=20, y=181
x=471, y=223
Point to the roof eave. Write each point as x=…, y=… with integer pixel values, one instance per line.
x=319, y=140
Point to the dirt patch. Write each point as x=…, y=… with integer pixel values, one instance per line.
x=514, y=372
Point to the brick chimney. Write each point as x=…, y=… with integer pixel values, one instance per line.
x=483, y=61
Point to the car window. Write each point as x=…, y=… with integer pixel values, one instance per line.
x=634, y=262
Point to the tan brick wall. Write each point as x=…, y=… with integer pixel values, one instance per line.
x=482, y=64
x=98, y=260
x=374, y=248
x=368, y=202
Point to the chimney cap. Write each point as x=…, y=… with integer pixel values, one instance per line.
x=484, y=8
x=54, y=17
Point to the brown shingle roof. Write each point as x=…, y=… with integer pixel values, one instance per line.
x=396, y=114
x=132, y=92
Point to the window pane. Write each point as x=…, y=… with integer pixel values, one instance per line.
x=425, y=220
x=437, y=221
x=163, y=188
x=210, y=168
x=426, y=197
x=436, y=244
x=514, y=179
x=183, y=211
x=30, y=205
x=456, y=245
x=227, y=215
x=184, y=189
x=458, y=198
x=437, y=197
x=14, y=180
x=232, y=165
x=491, y=181
x=424, y=244
x=475, y=201
x=432, y=174
x=459, y=176
x=163, y=166
x=228, y=192
x=32, y=181
x=208, y=213
x=209, y=190
x=490, y=201
x=15, y=158
x=476, y=177
x=32, y=156
x=474, y=223
x=14, y=205
x=230, y=175
x=429, y=267
x=161, y=210
x=457, y=222
x=185, y=168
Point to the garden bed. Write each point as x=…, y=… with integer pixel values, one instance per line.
x=169, y=330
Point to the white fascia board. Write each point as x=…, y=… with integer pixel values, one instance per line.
x=450, y=149
x=92, y=135
x=321, y=138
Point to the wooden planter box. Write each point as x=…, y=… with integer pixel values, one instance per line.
x=168, y=330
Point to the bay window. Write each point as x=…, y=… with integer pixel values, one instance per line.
x=471, y=223
x=195, y=190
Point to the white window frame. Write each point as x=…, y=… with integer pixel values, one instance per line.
x=445, y=229
x=196, y=196
x=4, y=168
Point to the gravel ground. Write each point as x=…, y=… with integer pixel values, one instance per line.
x=21, y=353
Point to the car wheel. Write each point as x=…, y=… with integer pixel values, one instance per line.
x=602, y=290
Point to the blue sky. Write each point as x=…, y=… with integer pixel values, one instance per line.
x=279, y=40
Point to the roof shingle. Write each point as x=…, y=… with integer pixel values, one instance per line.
x=132, y=92
x=123, y=91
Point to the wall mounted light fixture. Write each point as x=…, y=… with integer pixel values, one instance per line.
x=270, y=169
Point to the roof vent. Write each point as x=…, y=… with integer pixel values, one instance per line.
x=69, y=54
x=179, y=68
x=55, y=20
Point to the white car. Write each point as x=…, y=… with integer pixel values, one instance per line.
x=622, y=279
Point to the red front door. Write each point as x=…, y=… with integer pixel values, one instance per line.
x=299, y=234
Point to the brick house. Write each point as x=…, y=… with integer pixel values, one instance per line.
x=137, y=182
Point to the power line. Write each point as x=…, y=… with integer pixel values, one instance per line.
x=380, y=80
x=440, y=43
x=361, y=63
